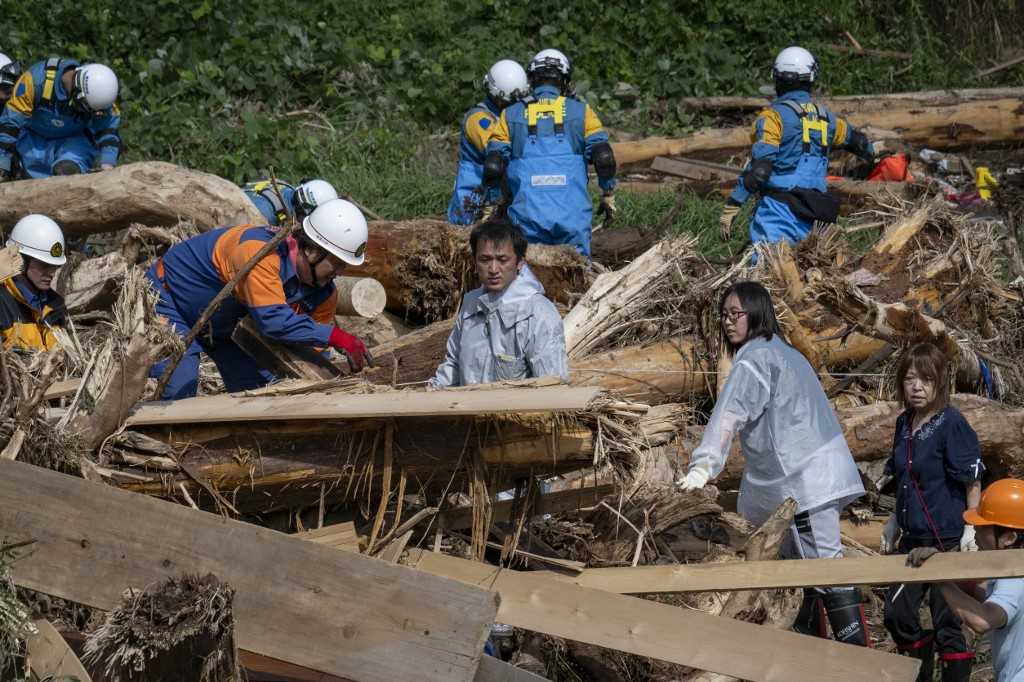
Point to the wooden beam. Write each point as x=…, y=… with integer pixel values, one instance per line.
x=284, y=361
x=227, y=408
x=62, y=389
x=50, y=656
x=763, y=575
x=335, y=612
x=695, y=170
x=669, y=633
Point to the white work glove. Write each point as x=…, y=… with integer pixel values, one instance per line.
x=891, y=532
x=107, y=166
x=726, y=219
x=694, y=478
x=967, y=543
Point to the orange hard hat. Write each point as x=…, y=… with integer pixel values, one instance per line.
x=1002, y=504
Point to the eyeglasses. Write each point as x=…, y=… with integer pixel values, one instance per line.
x=733, y=315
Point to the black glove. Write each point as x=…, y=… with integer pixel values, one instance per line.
x=919, y=555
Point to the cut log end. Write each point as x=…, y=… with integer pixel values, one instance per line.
x=360, y=296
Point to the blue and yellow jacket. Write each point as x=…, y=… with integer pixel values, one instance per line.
x=790, y=139
x=193, y=272
x=467, y=197
x=40, y=104
x=577, y=121
x=28, y=317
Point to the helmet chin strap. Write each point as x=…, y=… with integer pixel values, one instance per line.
x=312, y=267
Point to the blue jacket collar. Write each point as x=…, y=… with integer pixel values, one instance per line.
x=795, y=96
x=490, y=105
x=546, y=92
x=36, y=300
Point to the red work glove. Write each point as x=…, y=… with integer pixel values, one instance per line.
x=354, y=349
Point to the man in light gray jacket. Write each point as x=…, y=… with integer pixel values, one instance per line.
x=506, y=329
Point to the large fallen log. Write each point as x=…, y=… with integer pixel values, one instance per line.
x=647, y=628
x=152, y=193
x=295, y=601
x=341, y=450
x=425, y=266
x=947, y=126
x=851, y=104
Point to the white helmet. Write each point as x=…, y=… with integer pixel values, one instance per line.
x=39, y=237
x=94, y=88
x=506, y=81
x=550, y=61
x=10, y=70
x=340, y=228
x=795, y=63
x=311, y=194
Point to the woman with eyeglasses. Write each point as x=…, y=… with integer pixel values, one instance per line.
x=793, y=446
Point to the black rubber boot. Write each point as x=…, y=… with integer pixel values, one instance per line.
x=956, y=669
x=924, y=651
x=811, y=618
x=846, y=616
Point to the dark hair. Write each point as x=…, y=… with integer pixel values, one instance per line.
x=930, y=364
x=1002, y=530
x=757, y=303
x=499, y=231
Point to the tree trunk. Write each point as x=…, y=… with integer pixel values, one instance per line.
x=662, y=372
x=153, y=193
x=425, y=267
x=946, y=126
x=360, y=296
x=852, y=104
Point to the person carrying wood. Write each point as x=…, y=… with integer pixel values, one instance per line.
x=30, y=309
x=998, y=609
x=289, y=294
x=506, y=329
x=936, y=464
x=793, y=446
x=792, y=140
x=280, y=202
x=504, y=84
x=10, y=71
x=62, y=120
x=543, y=144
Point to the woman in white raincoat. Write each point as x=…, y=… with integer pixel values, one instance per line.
x=793, y=446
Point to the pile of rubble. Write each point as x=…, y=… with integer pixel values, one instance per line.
x=340, y=499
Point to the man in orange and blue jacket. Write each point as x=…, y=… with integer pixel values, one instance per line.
x=289, y=294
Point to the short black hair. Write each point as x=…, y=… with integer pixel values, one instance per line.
x=757, y=303
x=498, y=231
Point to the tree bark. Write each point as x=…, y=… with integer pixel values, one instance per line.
x=425, y=267
x=852, y=104
x=153, y=193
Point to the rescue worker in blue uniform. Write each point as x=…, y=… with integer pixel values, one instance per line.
x=544, y=144
x=281, y=201
x=62, y=120
x=10, y=71
x=290, y=294
x=30, y=310
x=792, y=140
x=504, y=84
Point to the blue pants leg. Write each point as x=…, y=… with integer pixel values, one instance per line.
x=184, y=381
x=239, y=371
x=773, y=221
x=39, y=154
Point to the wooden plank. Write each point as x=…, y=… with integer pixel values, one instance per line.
x=762, y=575
x=226, y=408
x=62, y=389
x=334, y=612
x=337, y=535
x=50, y=657
x=285, y=361
x=549, y=503
x=695, y=170
x=647, y=628
x=495, y=670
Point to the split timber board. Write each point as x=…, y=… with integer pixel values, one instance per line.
x=763, y=575
x=338, y=406
x=678, y=635
x=334, y=612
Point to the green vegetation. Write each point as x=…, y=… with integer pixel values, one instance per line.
x=368, y=95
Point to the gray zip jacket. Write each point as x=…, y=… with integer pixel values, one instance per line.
x=516, y=334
